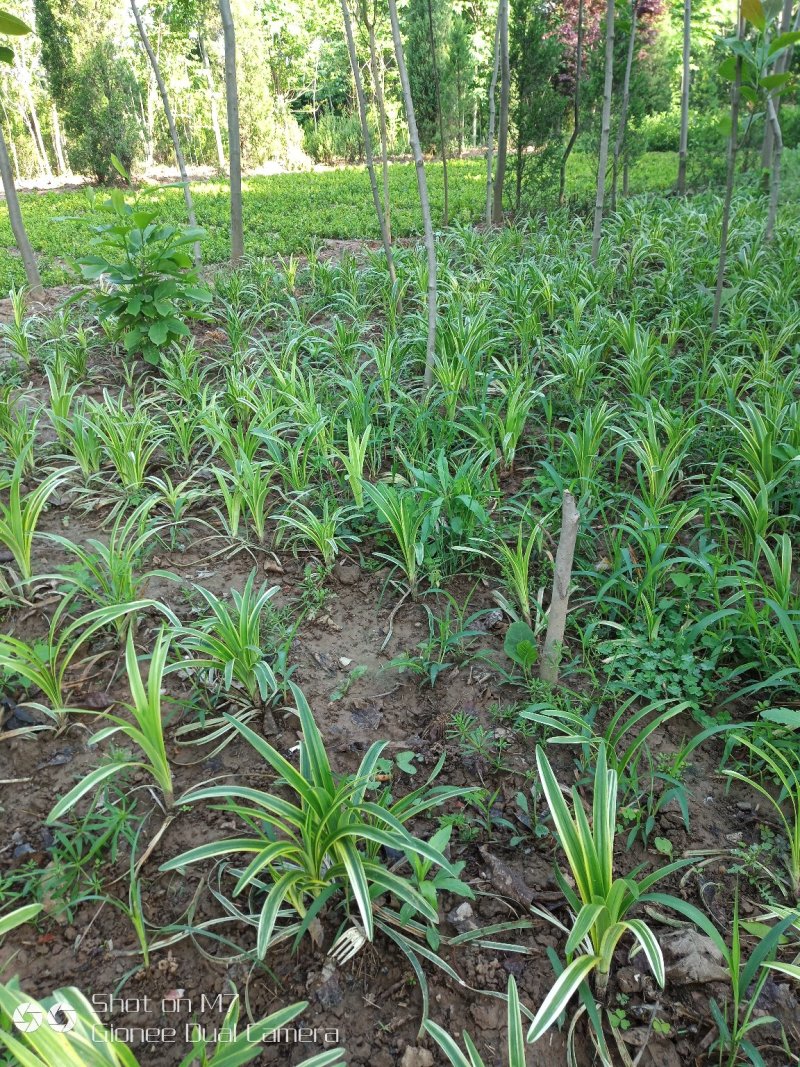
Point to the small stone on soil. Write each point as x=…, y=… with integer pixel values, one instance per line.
x=347, y=573
x=416, y=1057
x=489, y=1014
x=462, y=917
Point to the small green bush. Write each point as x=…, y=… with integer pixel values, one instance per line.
x=151, y=285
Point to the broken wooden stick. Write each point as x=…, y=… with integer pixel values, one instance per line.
x=557, y=614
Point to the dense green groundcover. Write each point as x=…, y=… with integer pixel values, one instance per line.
x=283, y=210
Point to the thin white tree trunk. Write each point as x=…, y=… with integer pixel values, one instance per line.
x=576, y=107
x=23, y=75
x=234, y=136
x=17, y=225
x=173, y=129
x=380, y=103
x=781, y=65
x=605, y=133
x=559, y=602
x=502, y=133
x=726, y=207
x=362, y=112
x=58, y=141
x=683, y=148
x=36, y=127
x=149, y=122
x=14, y=155
x=212, y=103
x=28, y=123
x=623, y=114
x=492, y=116
x=438, y=95
x=422, y=184
x=775, y=173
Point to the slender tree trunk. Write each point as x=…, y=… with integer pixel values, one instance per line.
x=380, y=103
x=36, y=128
x=14, y=155
x=781, y=65
x=37, y=151
x=775, y=174
x=148, y=121
x=576, y=107
x=518, y=164
x=502, y=134
x=212, y=103
x=23, y=76
x=362, y=111
x=438, y=95
x=173, y=129
x=459, y=114
x=234, y=137
x=605, y=132
x=474, y=122
x=726, y=207
x=623, y=114
x=492, y=113
x=17, y=225
x=422, y=184
x=683, y=149
x=58, y=141
x=562, y=576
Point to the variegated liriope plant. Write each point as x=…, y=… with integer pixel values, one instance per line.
x=601, y=903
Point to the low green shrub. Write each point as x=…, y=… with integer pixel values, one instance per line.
x=150, y=285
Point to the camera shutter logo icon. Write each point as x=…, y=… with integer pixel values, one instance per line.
x=27, y=1017
x=62, y=1018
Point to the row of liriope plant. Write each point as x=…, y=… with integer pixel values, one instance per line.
x=307, y=383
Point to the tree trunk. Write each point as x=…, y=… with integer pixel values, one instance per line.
x=149, y=122
x=422, y=184
x=459, y=114
x=562, y=575
x=14, y=155
x=502, y=135
x=605, y=132
x=23, y=76
x=781, y=65
x=212, y=103
x=173, y=129
x=576, y=107
x=17, y=225
x=234, y=137
x=362, y=111
x=683, y=150
x=28, y=124
x=438, y=95
x=726, y=208
x=775, y=173
x=58, y=141
x=623, y=114
x=36, y=128
x=380, y=103
x=492, y=110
